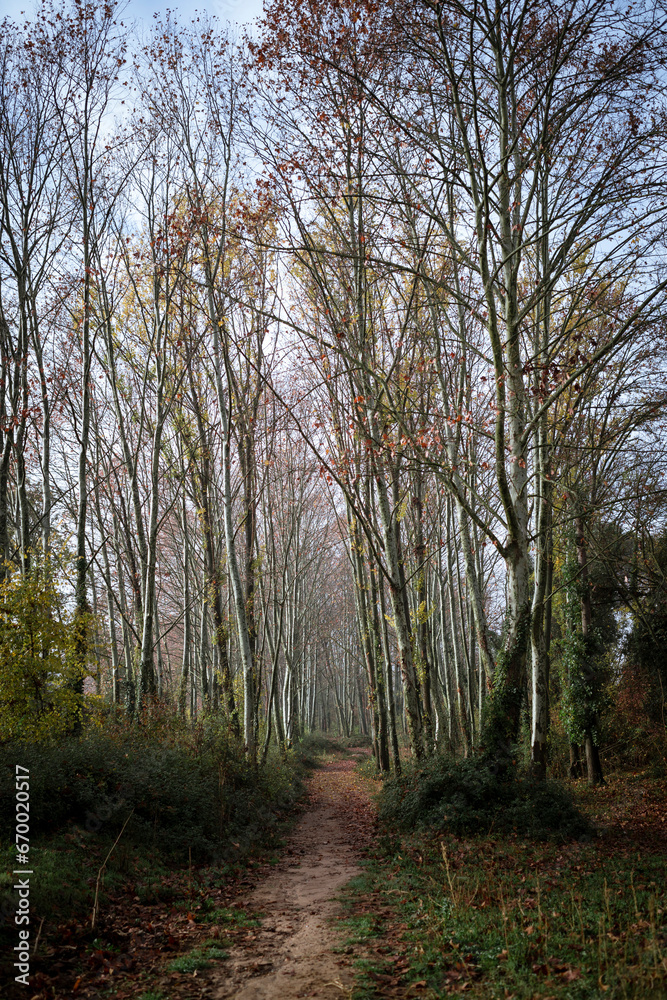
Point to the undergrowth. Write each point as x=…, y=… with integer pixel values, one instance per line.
x=313, y=746
x=358, y=740
x=494, y=886
x=473, y=796
x=507, y=918
x=186, y=789
x=189, y=796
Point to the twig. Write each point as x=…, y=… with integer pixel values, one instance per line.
x=39, y=932
x=449, y=877
x=101, y=872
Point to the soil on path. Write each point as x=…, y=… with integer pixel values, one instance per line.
x=291, y=955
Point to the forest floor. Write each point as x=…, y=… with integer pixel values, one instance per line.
x=502, y=917
x=296, y=951
x=341, y=912
x=266, y=931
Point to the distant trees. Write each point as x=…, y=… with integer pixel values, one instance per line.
x=645, y=644
x=338, y=355
x=513, y=171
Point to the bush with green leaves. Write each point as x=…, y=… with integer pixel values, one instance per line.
x=584, y=660
x=188, y=790
x=40, y=670
x=474, y=796
x=313, y=744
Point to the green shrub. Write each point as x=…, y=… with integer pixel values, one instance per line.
x=40, y=674
x=189, y=790
x=472, y=796
x=318, y=743
x=358, y=740
x=190, y=795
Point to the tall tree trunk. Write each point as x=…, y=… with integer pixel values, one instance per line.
x=184, y=679
x=367, y=636
x=421, y=617
x=593, y=763
x=539, y=655
x=401, y=621
x=389, y=679
x=461, y=698
x=82, y=608
x=238, y=593
x=128, y=691
x=380, y=673
x=147, y=689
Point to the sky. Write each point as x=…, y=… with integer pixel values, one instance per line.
x=227, y=10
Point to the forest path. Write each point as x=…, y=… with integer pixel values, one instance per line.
x=291, y=955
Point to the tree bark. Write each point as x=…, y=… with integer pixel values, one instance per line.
x=593, y=762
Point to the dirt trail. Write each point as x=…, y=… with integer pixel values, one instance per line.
x=291, y=955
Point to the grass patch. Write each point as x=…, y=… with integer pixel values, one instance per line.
x=499, y=916
x=199, y=958
x=228, y=916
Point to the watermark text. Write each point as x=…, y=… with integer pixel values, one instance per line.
x=22, y=885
